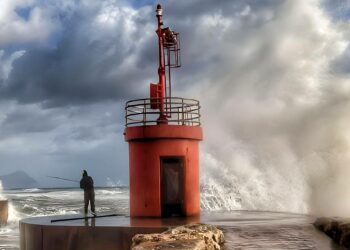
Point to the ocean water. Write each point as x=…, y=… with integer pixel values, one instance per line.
x=40, y=202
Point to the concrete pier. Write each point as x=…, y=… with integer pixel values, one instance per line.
x=3, y=211
x=242, y=229
x=39, y=233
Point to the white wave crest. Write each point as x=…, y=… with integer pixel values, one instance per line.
x=32, y=190
x=1, y=195
x=14, y=215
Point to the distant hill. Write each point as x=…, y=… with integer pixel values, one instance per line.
x=18, y=179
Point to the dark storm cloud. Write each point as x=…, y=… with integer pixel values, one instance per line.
x=96, y=60
x=212, y=30
x=27, y=120
x=91, y=123
x=108, y=52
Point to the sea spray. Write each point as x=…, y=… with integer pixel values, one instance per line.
x=276, y=113
x=247, y=188
x=112, y=183
x=1, y=194
x=13, y=215
x=219, y=197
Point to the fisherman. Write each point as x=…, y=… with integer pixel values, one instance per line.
x=87, y=184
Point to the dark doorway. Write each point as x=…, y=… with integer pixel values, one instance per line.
x=172, y=186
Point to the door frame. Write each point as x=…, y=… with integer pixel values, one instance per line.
x=182, y=182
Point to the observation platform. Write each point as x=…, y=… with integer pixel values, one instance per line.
x=242, y=229
x=178, y=111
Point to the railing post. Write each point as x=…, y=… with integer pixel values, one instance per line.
x=144, y=112
x=126, y=115
x=182, y=112
x=191, y=117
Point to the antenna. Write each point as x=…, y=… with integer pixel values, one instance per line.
x=169, y=57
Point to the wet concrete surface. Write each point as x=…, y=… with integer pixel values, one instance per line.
x=243, y=230
x=275, y=237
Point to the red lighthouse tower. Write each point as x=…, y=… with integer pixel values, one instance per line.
x=163, y=133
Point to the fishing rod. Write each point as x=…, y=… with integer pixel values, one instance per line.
x=86, y=217
x=54, y=177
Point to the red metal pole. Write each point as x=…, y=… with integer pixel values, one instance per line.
x=161, y=70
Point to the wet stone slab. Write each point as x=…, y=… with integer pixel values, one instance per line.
x=275, y=237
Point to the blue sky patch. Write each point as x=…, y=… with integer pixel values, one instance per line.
x=23, y=12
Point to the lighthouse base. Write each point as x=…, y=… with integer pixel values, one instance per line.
x=164, y=170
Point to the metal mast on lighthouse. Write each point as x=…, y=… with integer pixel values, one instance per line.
x=169, y=57
x=161, y=69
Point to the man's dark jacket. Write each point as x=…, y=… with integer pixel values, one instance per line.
x=87, y=183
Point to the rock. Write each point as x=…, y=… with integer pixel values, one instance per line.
x=321, y=223
x=189, y=237
x=3, y=211
x=329, y=226
x=336, y=228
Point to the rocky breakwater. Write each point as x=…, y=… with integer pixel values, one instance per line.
x=3, y=211
x=336, y=228
x=189, y=237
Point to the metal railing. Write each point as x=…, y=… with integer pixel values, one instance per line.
x=179, y=111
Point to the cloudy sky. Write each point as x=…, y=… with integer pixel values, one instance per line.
x=272, y=77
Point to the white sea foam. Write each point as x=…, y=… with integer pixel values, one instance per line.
x=1, y=195
x=13, y=214
x=31, y=190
